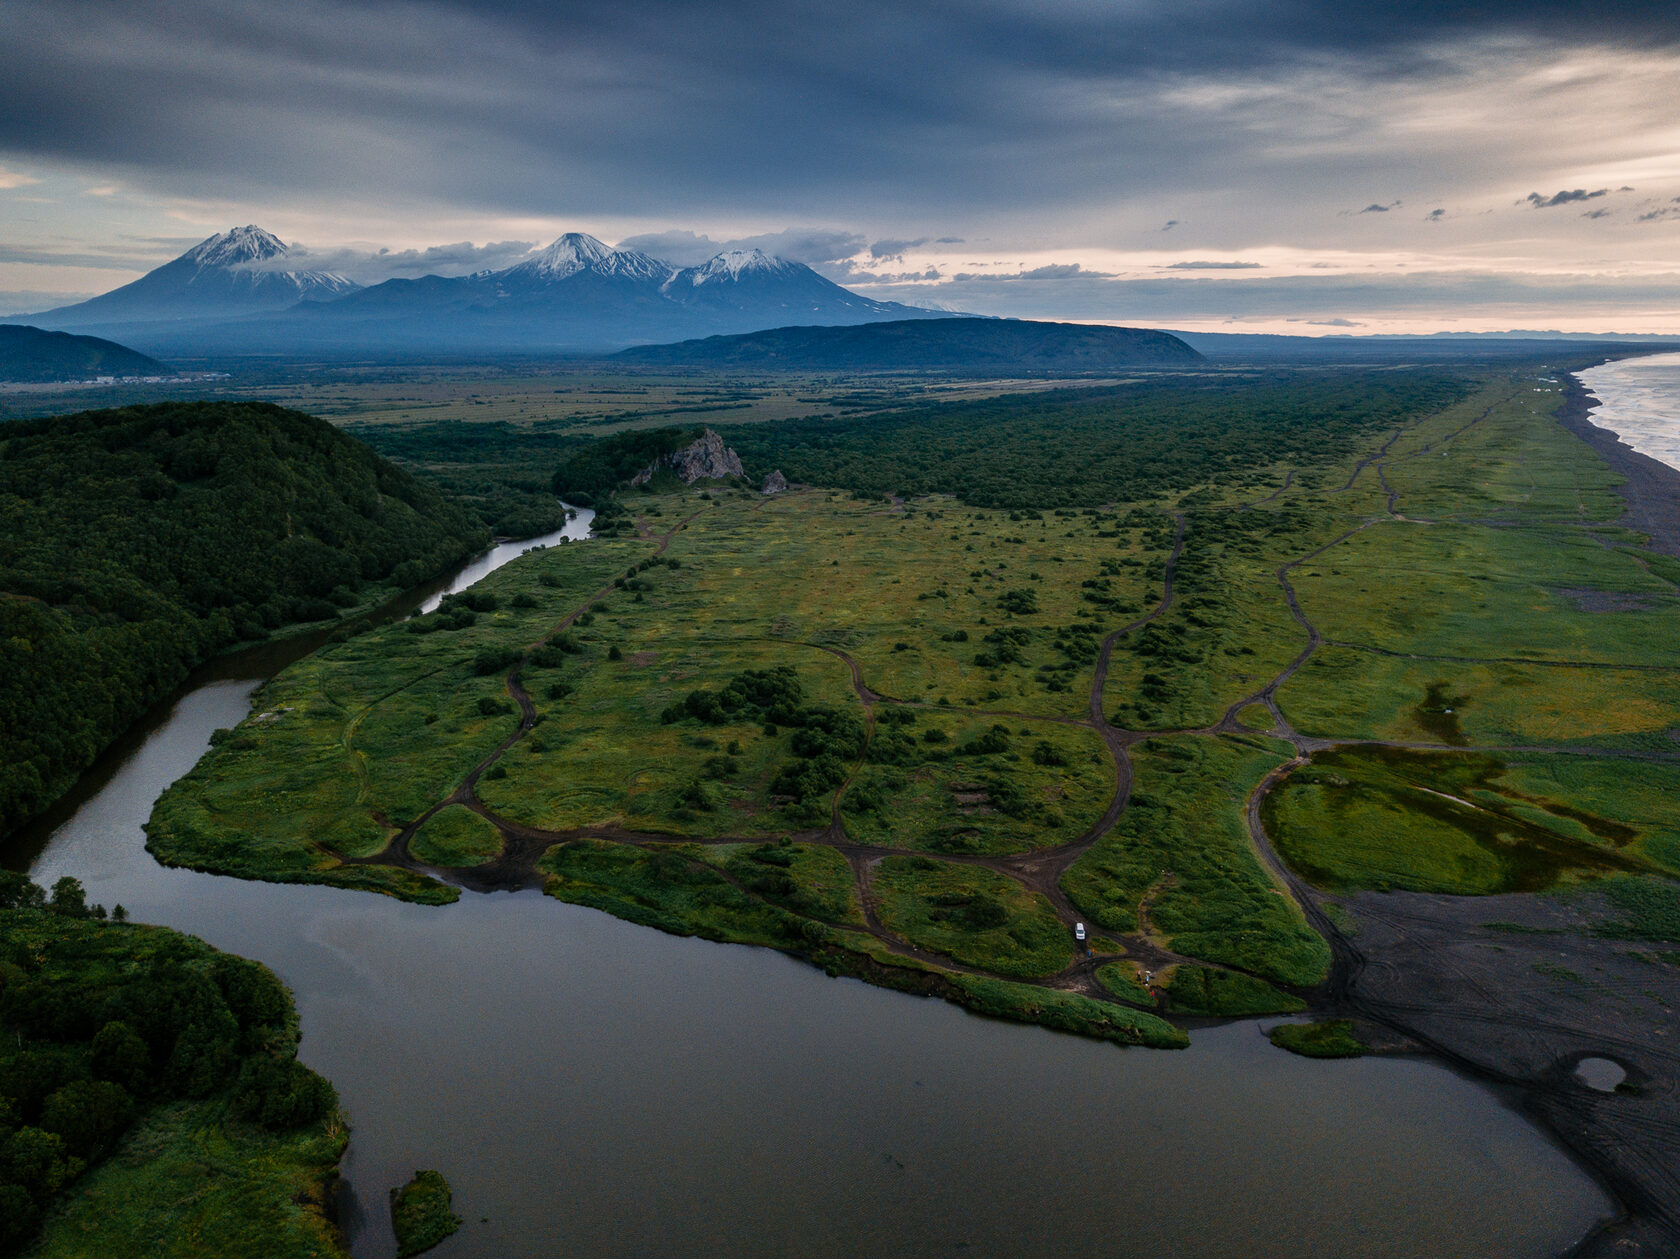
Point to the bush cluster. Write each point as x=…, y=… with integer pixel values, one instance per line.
x=104, y=1021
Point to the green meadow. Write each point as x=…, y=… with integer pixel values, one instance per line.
x=857, y=725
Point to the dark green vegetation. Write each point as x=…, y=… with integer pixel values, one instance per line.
x=917, y=738
x=1201, y=990
x=151, y=1102
x=136, y=543
x=496, y=469
x=594, y=472
x=1464, y=823
x=961, y=345
x=420, y=1213
x=1087, y=448
x=32, y=355
x=1332, y=1038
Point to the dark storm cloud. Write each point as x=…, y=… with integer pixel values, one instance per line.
x=1540, y=202
x=763, y=106
x=1375, y=208
x=895, y=248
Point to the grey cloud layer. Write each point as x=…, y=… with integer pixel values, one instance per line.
x=778, y=109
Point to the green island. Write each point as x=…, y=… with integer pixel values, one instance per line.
x=151, y=1101
x=1332, y=1038
x=1158, y=659
x=420, y=1213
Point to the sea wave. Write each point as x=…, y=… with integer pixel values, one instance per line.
x=1640, y=402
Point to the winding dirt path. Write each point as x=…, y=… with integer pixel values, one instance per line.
x=1042, y=870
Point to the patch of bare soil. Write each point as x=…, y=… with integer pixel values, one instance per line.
x=1520, y=989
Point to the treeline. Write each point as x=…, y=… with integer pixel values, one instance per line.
x=499, y=470
x=136, y=543
x=589, y=475
x=1084, y=448
x=102, y=1021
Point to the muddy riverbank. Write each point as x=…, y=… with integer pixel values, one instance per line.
x=1520, y=988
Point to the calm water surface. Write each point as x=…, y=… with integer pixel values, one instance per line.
x=595, y=1088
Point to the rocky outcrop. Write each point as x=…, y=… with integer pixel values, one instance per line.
x=775, y=483
x=705, y=459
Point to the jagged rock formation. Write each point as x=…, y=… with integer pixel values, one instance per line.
x=706, y=458
x=775, y=483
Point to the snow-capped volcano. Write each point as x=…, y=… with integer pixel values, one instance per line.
x=241, y=245
x=235, y=291
x=578, y=251
x=235, y=273
x=736, y=263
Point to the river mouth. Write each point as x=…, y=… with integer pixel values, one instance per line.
x=590, y=1086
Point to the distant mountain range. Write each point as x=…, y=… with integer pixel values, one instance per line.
x=36, y=356
x=949, y=345
x=233, y=293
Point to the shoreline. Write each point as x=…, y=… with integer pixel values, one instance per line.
x=1530, y=1036
x=1651, y=490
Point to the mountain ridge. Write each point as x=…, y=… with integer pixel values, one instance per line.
x=951, y=343
x=34, y=355
x=231, y=293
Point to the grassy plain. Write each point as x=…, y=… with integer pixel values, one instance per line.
x=857, y=727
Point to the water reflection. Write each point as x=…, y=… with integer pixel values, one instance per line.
x=592, y=1087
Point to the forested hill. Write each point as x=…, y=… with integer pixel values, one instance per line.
x=32, y=355
x=136, y=543
x=958, y=344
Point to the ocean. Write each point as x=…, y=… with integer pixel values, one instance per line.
x=1640, y=403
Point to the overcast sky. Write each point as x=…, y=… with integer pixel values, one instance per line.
x=1308, y=166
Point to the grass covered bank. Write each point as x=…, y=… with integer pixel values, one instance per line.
x=151, y=1101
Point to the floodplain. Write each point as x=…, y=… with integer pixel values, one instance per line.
x=915, y=739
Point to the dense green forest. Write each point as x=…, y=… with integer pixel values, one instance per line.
x=136, y=543
x=103, y=1022
x=1083, y=448
x=499, y=470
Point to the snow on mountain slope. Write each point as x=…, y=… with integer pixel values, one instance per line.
x=577, y=251
x=227, y=275
x=234, y=290
x=239, y=245
x=733, y=265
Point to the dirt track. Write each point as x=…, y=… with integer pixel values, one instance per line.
x=1425, y=970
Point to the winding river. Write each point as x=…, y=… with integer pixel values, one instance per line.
x=597, y=1088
